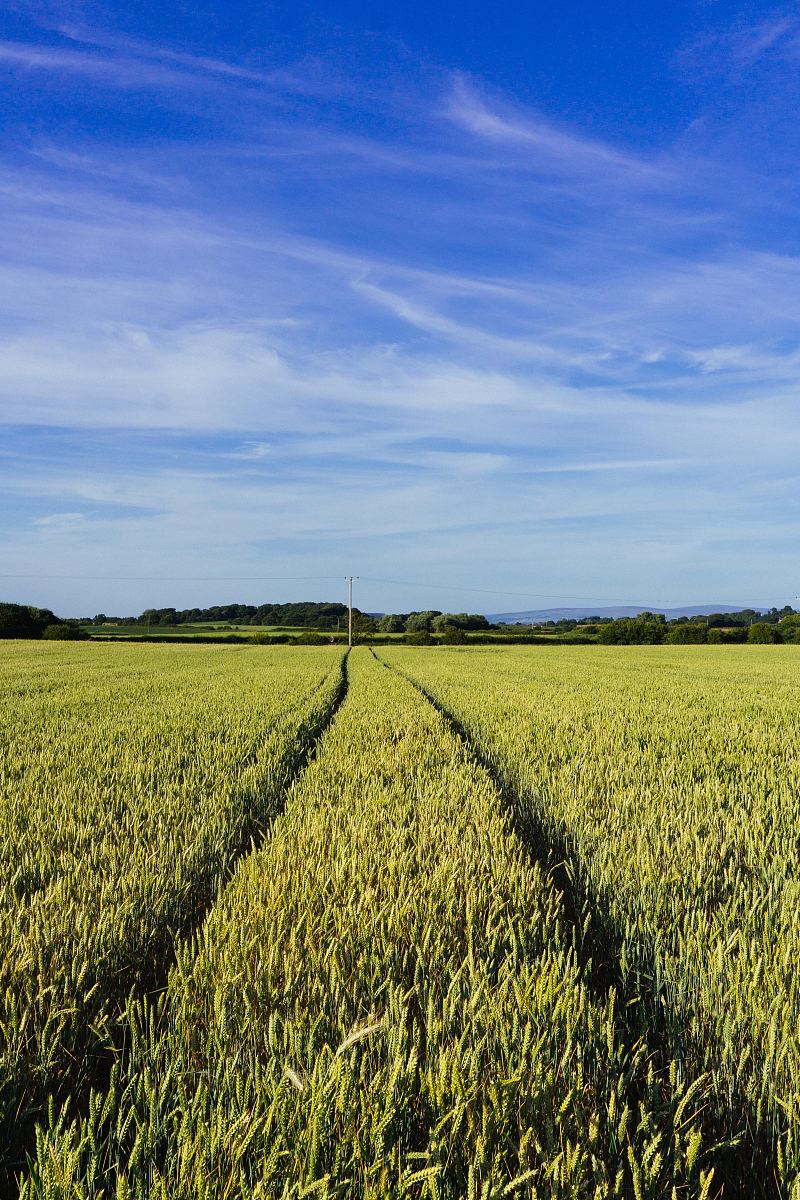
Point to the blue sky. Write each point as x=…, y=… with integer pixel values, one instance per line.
x=487, y=298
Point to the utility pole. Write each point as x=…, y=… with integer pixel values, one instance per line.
x=350, y=579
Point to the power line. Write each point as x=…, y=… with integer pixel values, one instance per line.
x=440, y=587
x=175, y=578
x=446, y=587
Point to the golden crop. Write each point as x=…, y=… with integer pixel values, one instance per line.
x=671, y=780
x=130, y=780
x=523, y=925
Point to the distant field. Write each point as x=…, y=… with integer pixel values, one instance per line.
x=451, y=922
x=220, y=630
x=198, y=628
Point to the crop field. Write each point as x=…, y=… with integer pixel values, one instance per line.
x=435, y=923
x=193, y=629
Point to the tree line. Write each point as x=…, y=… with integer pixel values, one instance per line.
x=25, y=621
x=430, y=620
x=305, y=613
x=427, y=626
x=652, y=629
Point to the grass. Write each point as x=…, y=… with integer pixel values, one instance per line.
x=197, y=628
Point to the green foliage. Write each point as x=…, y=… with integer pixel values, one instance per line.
x=763, y=634
x=422, y=638
x=363, y=623
x=64, y=632
x=421, y=622
x=459, y=621
x=728, y=637
x=648, y=629
x=22, y=621
x=452, y=636
x=789, y=628
x=688, y=634
x=392, y=623
x=305, y=612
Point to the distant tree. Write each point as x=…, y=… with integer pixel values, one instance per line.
x=789, y=627
x=392, y=623
x=612, y=634
x=763, y=633
x=452, y=636
x=17, y=621
x=726, y=620
x=735, y=636
x=421, y=622
x=363, y=622
x=646, y=629
x=23, y=621
x=686, y=634
x=459, y=621
x=62, y=631
x=420, y=638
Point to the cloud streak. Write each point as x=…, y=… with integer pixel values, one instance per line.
x=388, y=340
x=550, y=147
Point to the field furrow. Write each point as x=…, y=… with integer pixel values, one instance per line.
x=386, y=1000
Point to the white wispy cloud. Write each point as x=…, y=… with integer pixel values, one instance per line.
x=753, y=41
x=618, y=464
x=113, y=70
x=553, y=148
x=404, y=326
x=60, y=521
x=146, y=50
x=738, y=45
x=252, y=451
x=129, y=63
x=308, y=78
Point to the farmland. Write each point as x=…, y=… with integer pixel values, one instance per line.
x=129, y=784
x=419, y=922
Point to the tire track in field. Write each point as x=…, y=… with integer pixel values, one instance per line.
x=746, y=1169
x=91, y=1065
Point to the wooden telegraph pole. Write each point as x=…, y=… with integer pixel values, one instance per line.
x=350, y=579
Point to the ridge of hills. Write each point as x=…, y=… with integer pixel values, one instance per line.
x=535, y=616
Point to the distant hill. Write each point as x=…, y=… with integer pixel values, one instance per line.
x=535, y=616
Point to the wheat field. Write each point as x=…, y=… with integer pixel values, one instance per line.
x=414, y=922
